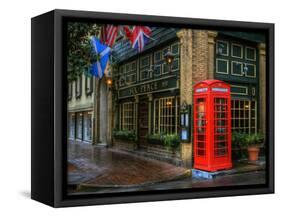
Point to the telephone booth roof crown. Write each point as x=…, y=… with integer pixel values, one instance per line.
x=211, y=83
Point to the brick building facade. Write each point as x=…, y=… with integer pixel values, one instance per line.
x=147, y=96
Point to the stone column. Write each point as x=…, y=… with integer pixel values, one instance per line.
x=185, y=36
x=262, y=87
x=211, y=53
x=200, y=56
x=96, y=111
x=94, y=100
x=110, y=117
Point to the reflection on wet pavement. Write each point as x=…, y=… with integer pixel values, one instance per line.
x=97, y=169
x=101, y=166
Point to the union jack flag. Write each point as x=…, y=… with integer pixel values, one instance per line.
x=138, y=36
x=109, y=34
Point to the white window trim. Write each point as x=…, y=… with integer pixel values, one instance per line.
x=72, y=129
x=246, y=53
x=253, y=91
x=225, y=73
x=178, y=65
x=227, y=46
x=154, y=54
x=165, y=117
x=131, y=72
x=174, y=44
x=242, y=71
x=133, y=117
x=84, y=125
x=239, y=45
x=80, y=114
x=141, y=68
x=250, y=126
x=163, y=67
x=238, y=86
x=255, y=71
x=165, y=48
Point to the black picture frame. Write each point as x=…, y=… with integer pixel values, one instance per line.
x=49, y=109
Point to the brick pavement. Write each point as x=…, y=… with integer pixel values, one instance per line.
x=101, y=166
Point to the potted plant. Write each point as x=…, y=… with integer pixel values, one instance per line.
x=125, y=135
x=156, y=139
x=253, y=141
x=239, y=145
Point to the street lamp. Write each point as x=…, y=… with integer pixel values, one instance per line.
x=169, y=57
x=109, y=80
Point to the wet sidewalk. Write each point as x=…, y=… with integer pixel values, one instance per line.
x=94, y=166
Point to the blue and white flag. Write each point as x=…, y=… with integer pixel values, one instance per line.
x=102, y=51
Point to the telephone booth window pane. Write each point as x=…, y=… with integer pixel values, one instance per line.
x=201, y=152
x=200, y=127
x=201, y=138
x=220, y=125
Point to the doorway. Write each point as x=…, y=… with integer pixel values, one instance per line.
x=143, y=122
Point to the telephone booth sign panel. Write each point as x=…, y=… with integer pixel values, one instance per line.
x=212, y=126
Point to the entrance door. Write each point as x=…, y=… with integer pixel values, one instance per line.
x=143, y=121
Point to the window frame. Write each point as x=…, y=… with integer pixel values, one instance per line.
x=238, y=45
x=89, y=87
x=225, y=60
x=144, y=68
x=255, y=70
x=78, y=115
x=130, y=72
x=85, y=117
x=239, y=86
x=246, y=52
x=217, y=44
x=124, y=118
x=244, y=128
x=78, y=88
x=72, y=126
x=242, y=70
x=168, y=119
x=70, y=90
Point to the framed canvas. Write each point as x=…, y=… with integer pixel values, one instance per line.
x=133, y=108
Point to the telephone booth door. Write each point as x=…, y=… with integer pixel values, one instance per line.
x=222, y=131
x=200, y=129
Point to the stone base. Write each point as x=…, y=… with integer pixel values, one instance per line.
x=201, y=174
x=124, y=145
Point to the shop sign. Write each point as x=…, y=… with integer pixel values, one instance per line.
x=149, y=87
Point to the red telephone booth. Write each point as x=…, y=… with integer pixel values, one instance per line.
x=212, y=126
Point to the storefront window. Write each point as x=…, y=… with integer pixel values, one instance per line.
x=79, y=126
x=127, y=117
x=88, y=126
x=166, y=115
x=244, y=116
x=72, y=126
